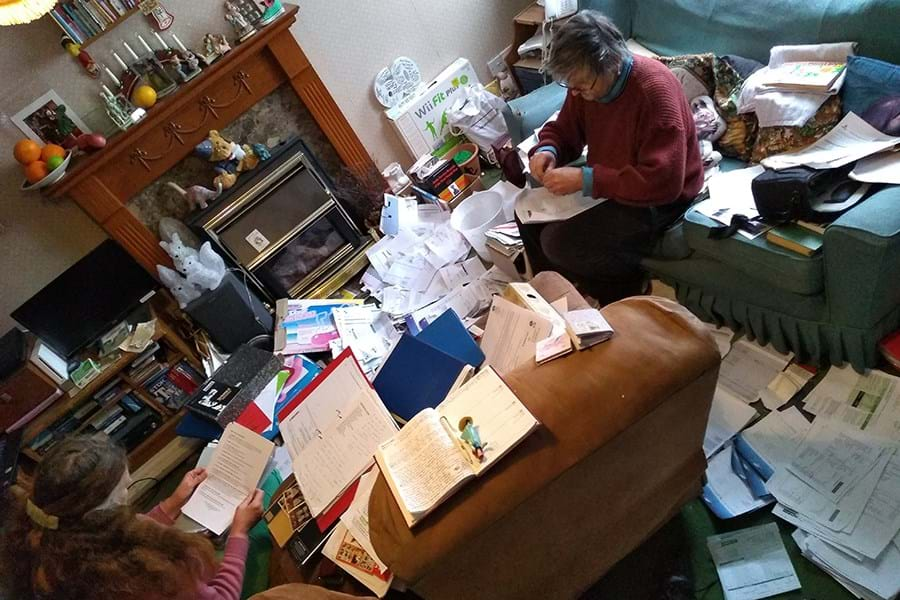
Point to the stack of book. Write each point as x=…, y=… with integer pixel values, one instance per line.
x=808, y=76
x=172, y=387
x=146, y=365
x=83, y=19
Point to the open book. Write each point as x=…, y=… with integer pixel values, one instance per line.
x=427, y=461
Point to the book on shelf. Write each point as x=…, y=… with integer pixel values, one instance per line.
x=427, y=461
x=796, y=239
x=172, y=387
x=809, y=76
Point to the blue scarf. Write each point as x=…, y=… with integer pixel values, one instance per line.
x=619, y=86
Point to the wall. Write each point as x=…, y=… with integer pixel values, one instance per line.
x=348, y=42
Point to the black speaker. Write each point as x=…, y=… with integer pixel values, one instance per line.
x=231, y=314
x=12, y=352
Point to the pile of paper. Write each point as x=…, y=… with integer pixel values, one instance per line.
x=368, y=332
x=505, y=239
x=752, y=563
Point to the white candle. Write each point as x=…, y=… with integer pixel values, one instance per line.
x=145, y=44
x=161, y=41
x=112, y=76
x=132, y=52
x=120, y=61
x=106, y=89
x=180, y=45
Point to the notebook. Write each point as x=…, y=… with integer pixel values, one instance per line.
x=448, y=334
x=796, y=239
x=427, y=461
x=805, y=76
x=416, y=376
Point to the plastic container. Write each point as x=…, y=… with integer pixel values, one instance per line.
x=475, y=215
x=472, y=163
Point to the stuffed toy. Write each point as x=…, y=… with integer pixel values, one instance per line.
x=178, y=251
x=231, y=159
x=183, y=290
x=197, y=196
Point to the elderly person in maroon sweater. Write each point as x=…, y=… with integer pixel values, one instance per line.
x=642, y=156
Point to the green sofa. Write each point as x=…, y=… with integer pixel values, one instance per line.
x=828, y=309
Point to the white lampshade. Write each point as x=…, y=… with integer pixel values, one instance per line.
x=16, y=12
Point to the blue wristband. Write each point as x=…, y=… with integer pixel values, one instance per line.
x=549, y=149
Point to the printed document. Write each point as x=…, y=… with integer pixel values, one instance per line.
x=727, y=416
x=850, y=140
x=511, y=335
x=878, y=168
x=748, y=368
x=725, y=493
x=753, y=563
x=774, y=439
x=539, y=205
x=870, y=402
x=237, y=465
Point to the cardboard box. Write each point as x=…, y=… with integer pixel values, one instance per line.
x=421, y=120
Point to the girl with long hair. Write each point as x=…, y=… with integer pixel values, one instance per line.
x=76, y=538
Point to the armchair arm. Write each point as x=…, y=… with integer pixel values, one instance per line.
x=524, y=115
x=862, y=261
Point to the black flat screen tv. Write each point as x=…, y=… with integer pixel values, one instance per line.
x=87, y=300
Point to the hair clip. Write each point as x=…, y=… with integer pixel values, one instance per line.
x=39, y=517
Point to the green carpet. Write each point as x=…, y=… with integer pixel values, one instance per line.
x=679, y=548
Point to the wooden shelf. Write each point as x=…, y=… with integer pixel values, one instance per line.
x=155, y=441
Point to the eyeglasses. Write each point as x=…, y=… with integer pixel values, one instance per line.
x=579, y=89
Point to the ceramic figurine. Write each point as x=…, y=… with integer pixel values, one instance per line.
x=274, y=9
x=242, y=28
x=200, y=275
x=184, y=291
x=157, y=14
x=471, y=437
x=214, y=46
x=178, y=251
x=231, y=159
x=197, y=196
x=75, y=49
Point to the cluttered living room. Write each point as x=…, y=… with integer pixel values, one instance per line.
x=506, y=299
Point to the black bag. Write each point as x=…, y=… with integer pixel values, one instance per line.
x=818, y=195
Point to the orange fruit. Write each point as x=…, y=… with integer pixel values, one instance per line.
x=27, y=151
x=35, y=171
x=51, y=150
x=143, y=96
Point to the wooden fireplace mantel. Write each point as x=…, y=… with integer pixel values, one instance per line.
x=103, y=183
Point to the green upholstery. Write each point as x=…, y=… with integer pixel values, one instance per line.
x=831, y=308
x=757, y=258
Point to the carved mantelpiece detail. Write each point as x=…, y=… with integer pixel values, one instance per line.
x=102, y=184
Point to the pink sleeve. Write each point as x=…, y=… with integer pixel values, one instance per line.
x=160, y=516
x=229, y=579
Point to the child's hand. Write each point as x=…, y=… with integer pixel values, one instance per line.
x=247, y=513
x=188, y=484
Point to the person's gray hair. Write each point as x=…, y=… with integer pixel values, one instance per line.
x=588, y=41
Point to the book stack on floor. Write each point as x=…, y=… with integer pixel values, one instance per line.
x=82, y=20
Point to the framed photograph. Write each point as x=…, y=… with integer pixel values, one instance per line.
x=40, y=119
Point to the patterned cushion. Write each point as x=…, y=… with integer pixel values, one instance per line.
x=694, y=71
x=776, y=140
x=742, y=129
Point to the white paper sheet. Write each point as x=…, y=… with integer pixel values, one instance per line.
x=878, y=525
x=879, y=576
x=727, y=416
x=753, y=563
x=749, y=368
x=870, y=402
x=726, y=490
x=879, y=168
x=232, y=475
x=511, y=335
x=833, y=458
x=462, y=273
x=333, y=460
x=723, y=337
x=784, y=387
x=850, y=140
x=730, y=194
x=539, y=205
x=776, y=436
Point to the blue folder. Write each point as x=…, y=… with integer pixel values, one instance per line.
x=448, y=334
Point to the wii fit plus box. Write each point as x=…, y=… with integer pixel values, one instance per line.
x=421, y=121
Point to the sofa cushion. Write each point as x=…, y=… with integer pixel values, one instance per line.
x=751, y=28
x=741, y=130
x=757, y=258
x=867, y=81
x=694, y=71
x=778, y=140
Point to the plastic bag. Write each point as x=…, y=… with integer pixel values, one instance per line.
x=476, y=113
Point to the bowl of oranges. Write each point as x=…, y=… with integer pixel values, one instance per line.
x=42, y=165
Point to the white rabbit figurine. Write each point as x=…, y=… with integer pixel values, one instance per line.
x=178, y=251
x=184, y=291
x=211, y=260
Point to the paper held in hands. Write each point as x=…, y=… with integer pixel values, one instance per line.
x=233, y=474
x=540, y=206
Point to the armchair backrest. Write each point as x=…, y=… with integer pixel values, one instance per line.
x=751, y=27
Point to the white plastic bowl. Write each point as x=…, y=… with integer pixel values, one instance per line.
x=51, y=178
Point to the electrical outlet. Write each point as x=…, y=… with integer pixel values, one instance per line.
x=498, y=63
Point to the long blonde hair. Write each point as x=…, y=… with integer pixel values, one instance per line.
x=99, y=554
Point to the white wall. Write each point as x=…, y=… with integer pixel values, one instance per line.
x=347, y=41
